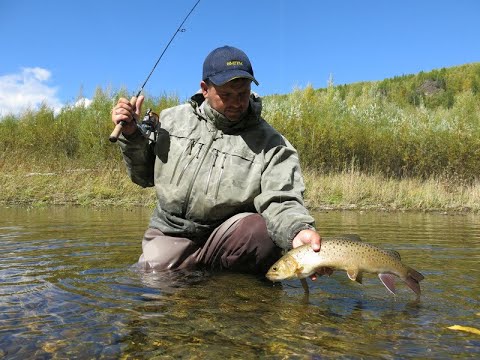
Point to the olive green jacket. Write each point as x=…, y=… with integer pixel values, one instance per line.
x=206, y=169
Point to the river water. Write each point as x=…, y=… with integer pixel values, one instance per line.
x=68, y=291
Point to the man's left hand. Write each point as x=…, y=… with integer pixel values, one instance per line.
x=313, y=238
x=307, y=237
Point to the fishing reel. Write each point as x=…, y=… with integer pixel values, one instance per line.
x=149, y=124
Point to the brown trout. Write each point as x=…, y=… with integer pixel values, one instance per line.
x=349, y=253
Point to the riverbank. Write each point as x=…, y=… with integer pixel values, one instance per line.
x=352, y=190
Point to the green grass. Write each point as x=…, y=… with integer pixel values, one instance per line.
x=110, y=186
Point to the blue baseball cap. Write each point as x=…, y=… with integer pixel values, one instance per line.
x=225, y=64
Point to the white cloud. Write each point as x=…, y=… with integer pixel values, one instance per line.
x=27, y=89
x=83, y=102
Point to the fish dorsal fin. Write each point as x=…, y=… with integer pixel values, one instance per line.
x=394, y=253
x=351, y=237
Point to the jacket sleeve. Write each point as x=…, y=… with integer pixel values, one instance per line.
x=281, y=200
x=139, y=157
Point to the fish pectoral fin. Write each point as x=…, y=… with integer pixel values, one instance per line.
x=305, y=285
x=299, y=271
x=353, y=274
x=389, y=281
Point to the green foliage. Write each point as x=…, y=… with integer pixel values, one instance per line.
x=382, y=128
x=424, y=125
x=77, y=135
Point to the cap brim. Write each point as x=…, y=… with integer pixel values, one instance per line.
x=224, y=77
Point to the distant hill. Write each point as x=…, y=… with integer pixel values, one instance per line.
x=432, y=89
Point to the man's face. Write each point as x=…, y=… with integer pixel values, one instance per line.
x=230, y=99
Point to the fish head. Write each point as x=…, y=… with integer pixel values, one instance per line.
x=283, y=269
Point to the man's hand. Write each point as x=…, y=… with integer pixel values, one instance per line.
x=124, y=111
x=307, y=237
x=314, y=239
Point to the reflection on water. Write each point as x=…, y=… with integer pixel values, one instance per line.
x=68, y=290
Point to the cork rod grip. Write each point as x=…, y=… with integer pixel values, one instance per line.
x=118, y=128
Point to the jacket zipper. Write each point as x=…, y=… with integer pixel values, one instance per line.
x=188, y=163
x=197, y=170
x=189, y=146
x=211, y=170
x=220, y=175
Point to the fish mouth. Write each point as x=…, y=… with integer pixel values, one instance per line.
x=273, y=277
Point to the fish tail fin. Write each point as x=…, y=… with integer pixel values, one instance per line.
x=389, y=281
x=413, y=279
x=415, y=274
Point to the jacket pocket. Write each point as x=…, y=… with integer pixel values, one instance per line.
x=237, y=179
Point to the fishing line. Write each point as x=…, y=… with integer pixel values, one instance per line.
x=118, y=128
x=180, y=29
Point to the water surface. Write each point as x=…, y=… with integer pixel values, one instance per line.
x=68, y=290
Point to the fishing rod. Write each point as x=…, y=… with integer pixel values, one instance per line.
x=118, y=128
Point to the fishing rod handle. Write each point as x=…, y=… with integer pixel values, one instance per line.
x=118, y=128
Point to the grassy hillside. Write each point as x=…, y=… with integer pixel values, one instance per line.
x=420, y=128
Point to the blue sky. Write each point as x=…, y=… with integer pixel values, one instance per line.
x=56, y=51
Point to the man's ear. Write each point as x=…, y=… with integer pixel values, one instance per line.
x=204, y=87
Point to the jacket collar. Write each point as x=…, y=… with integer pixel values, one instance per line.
x=206, y=112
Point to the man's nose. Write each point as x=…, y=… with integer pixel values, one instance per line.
x=237, y=101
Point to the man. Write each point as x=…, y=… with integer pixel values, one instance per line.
x=229, y=187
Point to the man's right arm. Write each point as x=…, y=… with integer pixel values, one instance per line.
x=136, y=150
x=139, y=158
